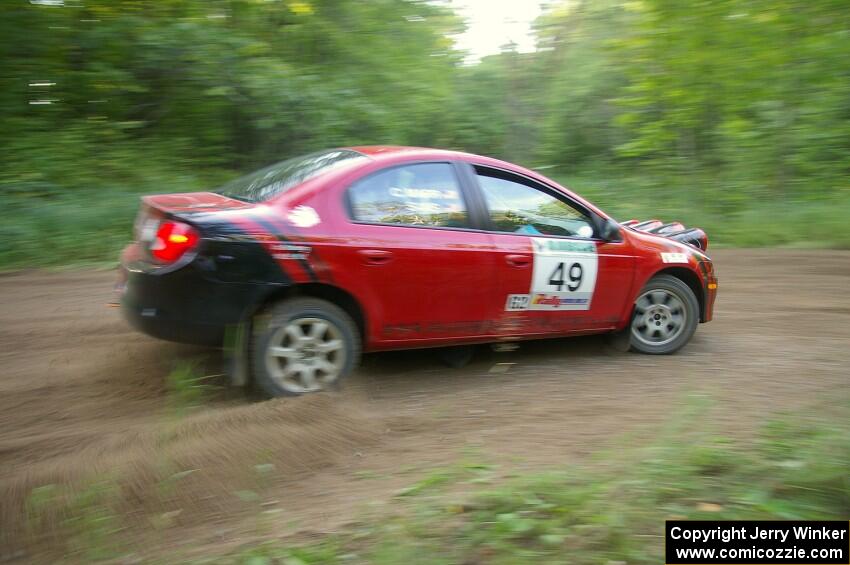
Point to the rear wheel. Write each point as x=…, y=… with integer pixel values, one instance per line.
x=303, y=345
x=665, y=316
x=456, y=357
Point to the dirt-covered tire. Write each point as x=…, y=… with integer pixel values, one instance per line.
x=303, y=345
x=665, y=316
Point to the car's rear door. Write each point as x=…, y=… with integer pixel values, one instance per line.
x=554, y=275
x=412, y=256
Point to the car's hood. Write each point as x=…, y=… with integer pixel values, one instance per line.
x=695, y=237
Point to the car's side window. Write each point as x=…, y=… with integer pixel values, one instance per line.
x=422, y=194
x=519, y=207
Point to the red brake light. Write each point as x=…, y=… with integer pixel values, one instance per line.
x=172, y=241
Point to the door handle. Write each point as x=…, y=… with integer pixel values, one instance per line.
x=375, y=256
x=518, y=261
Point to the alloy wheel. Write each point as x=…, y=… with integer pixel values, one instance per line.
x=660, y=317
x=306, y=355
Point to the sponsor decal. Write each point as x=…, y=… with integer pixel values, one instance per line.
x=303, y=217
x=674, y=257
x=557, y=300
x=423, y=193
x=516, y=302
x=288, y=251
x=554, y=245
x=564, y=274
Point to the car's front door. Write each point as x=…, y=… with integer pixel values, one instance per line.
x=425, y=274
x=555, y=276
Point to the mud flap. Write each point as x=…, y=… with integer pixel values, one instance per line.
x=236, y=363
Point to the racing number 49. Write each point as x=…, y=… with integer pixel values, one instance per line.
x=574, y=273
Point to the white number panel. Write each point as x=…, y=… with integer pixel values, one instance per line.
x=564, y=275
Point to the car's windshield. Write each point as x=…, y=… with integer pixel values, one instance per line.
x=280, y=177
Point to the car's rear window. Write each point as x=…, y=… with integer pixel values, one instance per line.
x=280, y=177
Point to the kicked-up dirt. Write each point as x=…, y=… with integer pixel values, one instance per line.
x=94, y=440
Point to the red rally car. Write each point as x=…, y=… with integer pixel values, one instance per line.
x=312, y=260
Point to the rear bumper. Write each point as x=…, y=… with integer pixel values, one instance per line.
x=187, y=305
x=154, y=323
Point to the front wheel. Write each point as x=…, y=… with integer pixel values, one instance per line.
x=665, y=316
x=303, y=345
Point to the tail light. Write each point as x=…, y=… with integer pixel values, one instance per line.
x=172, y=241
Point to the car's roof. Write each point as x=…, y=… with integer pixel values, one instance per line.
x=389, y=151
x=402, y=153
x=378, y=149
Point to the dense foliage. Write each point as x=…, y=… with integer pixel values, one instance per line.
x=718, y=107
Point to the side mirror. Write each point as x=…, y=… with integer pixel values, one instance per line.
x=610, y=231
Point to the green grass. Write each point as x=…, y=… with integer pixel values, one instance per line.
x=76, y=229
x=85, y=514
x=187, y=388
x=611, y=508
x=730, y=219
x=613, y=511
x=66, y=230
x=61, y=209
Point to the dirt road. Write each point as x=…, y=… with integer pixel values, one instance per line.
x=84, y=401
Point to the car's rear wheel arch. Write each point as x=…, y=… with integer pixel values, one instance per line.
x=331, y=293
x=691, y=279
